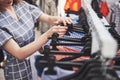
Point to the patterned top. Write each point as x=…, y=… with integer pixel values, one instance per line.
x=116, y=15
x=22, y=31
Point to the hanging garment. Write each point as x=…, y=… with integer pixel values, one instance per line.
x=73, y=5
x=60, y=73
x=48, y=7
x=68, y=48
x=104, y=8
x=115, y=7
x=64, y=49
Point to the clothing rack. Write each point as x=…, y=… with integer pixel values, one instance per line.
x=49, y=58
x=95, y=68
x=90, y=70
x=83, y=39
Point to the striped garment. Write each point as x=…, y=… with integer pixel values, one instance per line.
x=115, y=7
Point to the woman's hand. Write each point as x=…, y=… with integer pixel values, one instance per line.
x=64, y=20
x=57, y=29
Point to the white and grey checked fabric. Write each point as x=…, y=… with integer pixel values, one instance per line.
x=116, y=11
x=23, y=33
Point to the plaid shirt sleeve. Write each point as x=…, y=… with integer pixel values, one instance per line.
x=4, y=37
x=35, y=11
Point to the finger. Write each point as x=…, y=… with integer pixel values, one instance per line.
x=61, y=34
x=60, y=28
x=69, y=20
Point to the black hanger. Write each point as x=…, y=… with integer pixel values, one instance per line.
x=94, y=73
x=55, y=42
x=114, y=33
x=92, y=70
x=94, y=76
x=50, y=65
x=87, y=70
x=103, y=72
x=100, y=73
x=81, y=71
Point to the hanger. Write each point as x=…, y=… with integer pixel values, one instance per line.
x=98, y=73
x=92, y=70
x=114, y=33
x=102, y=72
x=50, y=65
x=55, y=42
x=94, y=74
x=92, y=67
x=87, y=64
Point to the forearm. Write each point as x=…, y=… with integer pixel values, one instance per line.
x=23, y=52
x=48, y=19
x=34, y=46
x=39, y=42
x=55, y=20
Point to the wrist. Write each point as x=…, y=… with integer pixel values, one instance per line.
x=48, y=34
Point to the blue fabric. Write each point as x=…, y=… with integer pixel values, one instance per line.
x=60, y=73
x=75, y=18
x=74, y=35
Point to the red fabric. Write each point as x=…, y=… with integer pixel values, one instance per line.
x=104, y=8
x=67, y=49
x=118, y=52
x=64, y=49
x=73, y=5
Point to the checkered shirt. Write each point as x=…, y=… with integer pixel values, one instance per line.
x=23, y=33
x=116, y=12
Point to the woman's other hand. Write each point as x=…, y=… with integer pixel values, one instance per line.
x=55, y=20
x=64, y=20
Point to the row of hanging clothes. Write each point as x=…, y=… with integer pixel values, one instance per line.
x=115, y=21
x=93, y=68
x=102, y=10
x=76, y=62
x=69, y=58
x=64, y=49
